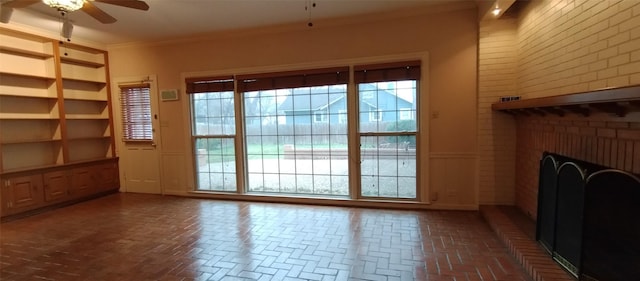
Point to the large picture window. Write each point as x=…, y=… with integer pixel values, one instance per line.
x=295, y=133
x=305, y=152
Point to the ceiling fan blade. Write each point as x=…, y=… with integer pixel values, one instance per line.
x=97, y=14
x=134, y=4
x=19, y=3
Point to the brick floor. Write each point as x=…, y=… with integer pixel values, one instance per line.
x=522, y=245
x=152, y=237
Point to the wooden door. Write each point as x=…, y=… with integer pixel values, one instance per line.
x=140, y=160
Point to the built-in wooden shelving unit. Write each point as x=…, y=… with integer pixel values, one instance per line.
x=56, y=128
x=617, y=101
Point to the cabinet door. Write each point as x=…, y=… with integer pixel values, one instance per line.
x=22, y=194
x=83, y=182
x=56, y=186
x=107, y=176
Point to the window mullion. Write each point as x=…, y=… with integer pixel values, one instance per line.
x=239, y=141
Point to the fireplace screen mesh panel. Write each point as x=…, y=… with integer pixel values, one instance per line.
x=611, y=241
x=568, y=229
x=592, y=225
x=547, y=202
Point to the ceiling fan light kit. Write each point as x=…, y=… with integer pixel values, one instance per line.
x=65, y=5
x=67, y=29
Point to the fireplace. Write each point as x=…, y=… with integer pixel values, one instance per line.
x=588, y=218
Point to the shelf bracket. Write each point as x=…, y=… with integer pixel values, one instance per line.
x=614, y=108
x=554, y=110
x=536, y=111
x=579, y=109
x=523, y=111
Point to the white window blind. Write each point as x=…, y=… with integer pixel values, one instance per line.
x=135, y=103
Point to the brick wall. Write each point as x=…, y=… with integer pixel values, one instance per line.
x=497, y=64
x=553, y=48
x=575, y=46
x=611, y=143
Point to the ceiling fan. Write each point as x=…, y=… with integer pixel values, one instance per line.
x=87, y=6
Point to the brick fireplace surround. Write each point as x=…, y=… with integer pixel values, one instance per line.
x=610, y=143
x=601, y=139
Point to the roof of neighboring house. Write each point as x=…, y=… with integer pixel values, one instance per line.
x=371, y=87
x=315, y=100
x=318, y=99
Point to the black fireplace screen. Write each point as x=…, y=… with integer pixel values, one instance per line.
x=589, y=218
x=546, y=223
x=569, y=206
x=611, y=237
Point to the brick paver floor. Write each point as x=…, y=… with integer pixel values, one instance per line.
x=153, y=237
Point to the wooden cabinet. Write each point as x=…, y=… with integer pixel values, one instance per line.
x=56, y=122
x=21, y=193
x=82, y=182
x=26, y=191
x=94, y=179
x=107, y=176
x=56, y=186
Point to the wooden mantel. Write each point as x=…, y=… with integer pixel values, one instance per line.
x=618, y=101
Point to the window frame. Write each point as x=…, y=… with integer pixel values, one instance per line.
x=220, y=85
x=382, y=73
x=257, y=79
x=136, y=99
